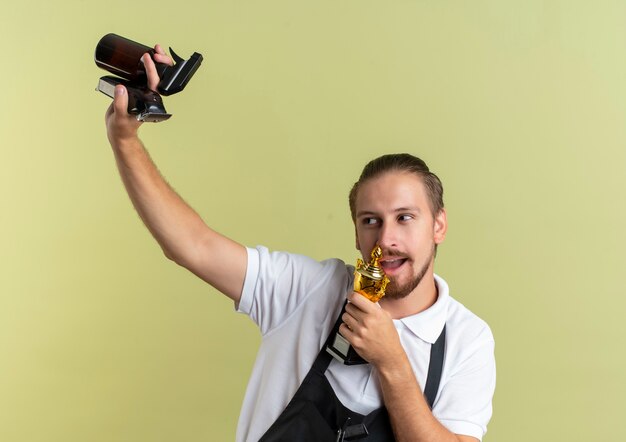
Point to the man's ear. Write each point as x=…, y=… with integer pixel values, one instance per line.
x=440, y=227
x=356, y=239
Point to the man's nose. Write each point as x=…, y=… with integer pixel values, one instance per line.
x=387, y=236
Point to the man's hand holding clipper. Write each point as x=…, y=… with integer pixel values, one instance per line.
x=147, y=73
x=122, y=126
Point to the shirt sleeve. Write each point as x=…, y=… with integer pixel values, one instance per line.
x=278, y=283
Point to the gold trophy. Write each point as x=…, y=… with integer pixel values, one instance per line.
x=370, y=281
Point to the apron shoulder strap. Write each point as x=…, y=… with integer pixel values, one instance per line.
x=437, y=352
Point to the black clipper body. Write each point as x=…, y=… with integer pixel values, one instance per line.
x=143, y=102
x=122, y=57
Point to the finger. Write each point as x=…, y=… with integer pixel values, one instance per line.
x=350, y=321
x=360, y=301
x=355, y=311
x=347, y=333
x=164, y=59
x=151, y=72
x=120, y=101
x=161, y=56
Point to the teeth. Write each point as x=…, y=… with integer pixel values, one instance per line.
x=392, y=263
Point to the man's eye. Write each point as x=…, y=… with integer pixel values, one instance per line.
x=369, y=221
x=404, y=217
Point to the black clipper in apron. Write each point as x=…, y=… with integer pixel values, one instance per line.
x=315, y=414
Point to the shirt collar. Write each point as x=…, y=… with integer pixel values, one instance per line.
x=427, y=325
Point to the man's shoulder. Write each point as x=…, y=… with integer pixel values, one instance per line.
x=465, y=323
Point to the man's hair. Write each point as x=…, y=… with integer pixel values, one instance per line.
x=400, y=162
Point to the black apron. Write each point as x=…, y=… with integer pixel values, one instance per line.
x=315, y=414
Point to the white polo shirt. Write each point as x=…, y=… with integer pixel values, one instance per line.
x=296, y=300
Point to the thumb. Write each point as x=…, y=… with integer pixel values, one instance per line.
x=120, y=101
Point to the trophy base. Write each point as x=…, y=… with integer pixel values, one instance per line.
x=341, y=350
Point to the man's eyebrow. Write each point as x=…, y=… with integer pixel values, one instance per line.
x=408, y=209
x=365, y=212
x=398, y=210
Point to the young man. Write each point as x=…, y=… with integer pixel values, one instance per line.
x=297, y=391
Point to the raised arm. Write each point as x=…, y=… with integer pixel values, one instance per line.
x=182, y=234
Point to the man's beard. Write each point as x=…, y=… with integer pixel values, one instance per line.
x=395, y=291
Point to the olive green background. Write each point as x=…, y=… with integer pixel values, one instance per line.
x=518, y=106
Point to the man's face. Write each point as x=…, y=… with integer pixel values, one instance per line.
x=392, y=210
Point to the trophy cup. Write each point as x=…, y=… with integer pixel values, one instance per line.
x=370, y=281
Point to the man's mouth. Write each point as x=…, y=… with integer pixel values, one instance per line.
x=390, y=265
